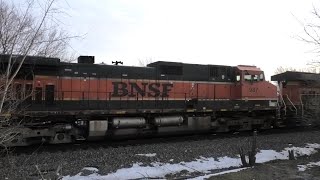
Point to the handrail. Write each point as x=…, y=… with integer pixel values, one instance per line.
x=278, y=110
x=302, y=111
x=292, y=104
x=284, y=103
x=281, y=97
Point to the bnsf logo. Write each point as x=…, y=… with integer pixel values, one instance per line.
x=121, y=89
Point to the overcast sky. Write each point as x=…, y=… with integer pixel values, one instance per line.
x=226, y=32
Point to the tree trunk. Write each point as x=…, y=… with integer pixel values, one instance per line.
x=243, y=157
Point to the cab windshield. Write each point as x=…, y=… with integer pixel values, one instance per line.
x=253, y=77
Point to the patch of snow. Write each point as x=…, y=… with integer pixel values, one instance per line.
x=269, y=155
x=204, y=165
x=91, y=169
x=307, y=150
x=217, y=174
x=147, y=155
x=302, y=167
x=309, y=165
x=159, y=170
x=93, y=176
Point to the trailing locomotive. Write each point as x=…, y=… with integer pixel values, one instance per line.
x=299, y=97
x=66, y=102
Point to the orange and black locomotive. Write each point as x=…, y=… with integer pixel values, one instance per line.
x=65, y=102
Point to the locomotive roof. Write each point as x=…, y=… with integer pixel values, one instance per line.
x=48, y=61
x=158, y=70
x=32, y=60
x=159, y=63
x=100, y=65
x=296, y=76
x=248, y=68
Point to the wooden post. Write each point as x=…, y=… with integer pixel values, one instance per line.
x=291, y=155
x=253, y=152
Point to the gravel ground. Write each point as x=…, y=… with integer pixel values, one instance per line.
x=109, y=159
x=278, y=169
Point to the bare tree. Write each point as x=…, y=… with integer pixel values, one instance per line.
x=22, y=34
x=311, y=35
x=145, y=62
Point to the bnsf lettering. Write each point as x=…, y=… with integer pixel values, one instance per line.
x=121, y=89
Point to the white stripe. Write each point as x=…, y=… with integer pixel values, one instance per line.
x=147, y=80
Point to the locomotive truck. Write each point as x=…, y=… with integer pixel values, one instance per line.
x=67, y=102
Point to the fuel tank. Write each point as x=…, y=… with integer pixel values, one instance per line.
x=129, y=122
x=168, y=121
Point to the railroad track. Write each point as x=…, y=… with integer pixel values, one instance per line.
x=143, y=141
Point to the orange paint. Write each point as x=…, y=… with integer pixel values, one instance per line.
x=103, y=89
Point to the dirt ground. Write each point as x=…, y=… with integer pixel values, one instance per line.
x=279, y=169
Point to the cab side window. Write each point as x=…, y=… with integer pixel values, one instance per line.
x=247, y=77
x=261, y=77
x=238, y=78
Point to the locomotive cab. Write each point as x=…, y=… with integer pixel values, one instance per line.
x=251, y=84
